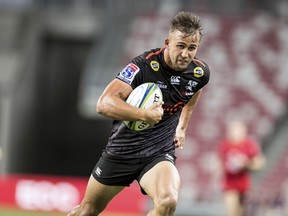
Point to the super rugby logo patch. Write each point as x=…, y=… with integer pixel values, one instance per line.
x=129, y=72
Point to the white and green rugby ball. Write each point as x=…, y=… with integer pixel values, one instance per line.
x=143, y=96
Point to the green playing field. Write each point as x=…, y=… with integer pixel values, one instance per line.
x=14, y=212
x=4, y=211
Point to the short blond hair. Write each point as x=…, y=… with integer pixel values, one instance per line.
x=187, y=23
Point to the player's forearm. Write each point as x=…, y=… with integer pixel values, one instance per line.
x=256, y=163
x=184, y=119
x=117, y=109
x=187, y=112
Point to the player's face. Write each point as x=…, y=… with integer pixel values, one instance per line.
x=180, y=49
x=236, y=131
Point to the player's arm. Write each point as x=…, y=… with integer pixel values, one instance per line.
x=112, y=104
x=257, y=162
x=184, y=120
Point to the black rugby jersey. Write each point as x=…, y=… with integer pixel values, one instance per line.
x=177, y=88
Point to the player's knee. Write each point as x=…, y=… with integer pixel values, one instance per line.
x=84, y=210
x=167, y=204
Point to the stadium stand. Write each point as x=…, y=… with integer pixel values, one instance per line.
x=248, y=80
x=247, y=56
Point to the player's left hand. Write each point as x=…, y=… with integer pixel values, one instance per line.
x=179, y=141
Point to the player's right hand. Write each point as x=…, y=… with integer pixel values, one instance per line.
x=154, y=113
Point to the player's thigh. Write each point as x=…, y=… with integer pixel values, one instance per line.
x=98, y=194
x=162, y=179
x=231, y=199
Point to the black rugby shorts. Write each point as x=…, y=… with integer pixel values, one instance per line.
x=122, y=171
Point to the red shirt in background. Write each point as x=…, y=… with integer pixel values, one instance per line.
x=233, y=158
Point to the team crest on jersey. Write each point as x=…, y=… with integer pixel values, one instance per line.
x=129, y=72
x=154, y=65
x=192, y=83
x=198, y=72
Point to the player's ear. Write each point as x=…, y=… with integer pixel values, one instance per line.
x=166, y=42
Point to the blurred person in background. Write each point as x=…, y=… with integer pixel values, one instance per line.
x=239, y=155
x=148, y=156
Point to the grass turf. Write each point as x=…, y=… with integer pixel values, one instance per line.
x=4, y=211
x=16, y=212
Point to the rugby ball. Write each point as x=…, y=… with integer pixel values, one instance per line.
x=143, y=96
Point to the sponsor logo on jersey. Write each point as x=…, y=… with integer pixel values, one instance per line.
x=169, y=157
x=198, y=72
x=187, y=93
x=98, y=171
x=161, y=85
x=129, y=72
x=154, y=65
x=172, y=109
x=175, y=80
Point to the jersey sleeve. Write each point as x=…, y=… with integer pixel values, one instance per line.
x=132, y=73
x=129, y=73
x=206, y=74
x=201, y=71
x=206, y=70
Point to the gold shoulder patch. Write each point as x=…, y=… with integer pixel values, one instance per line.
x=198, y=72
x=154, y=65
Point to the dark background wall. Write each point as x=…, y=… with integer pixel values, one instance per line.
x=59, y=140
